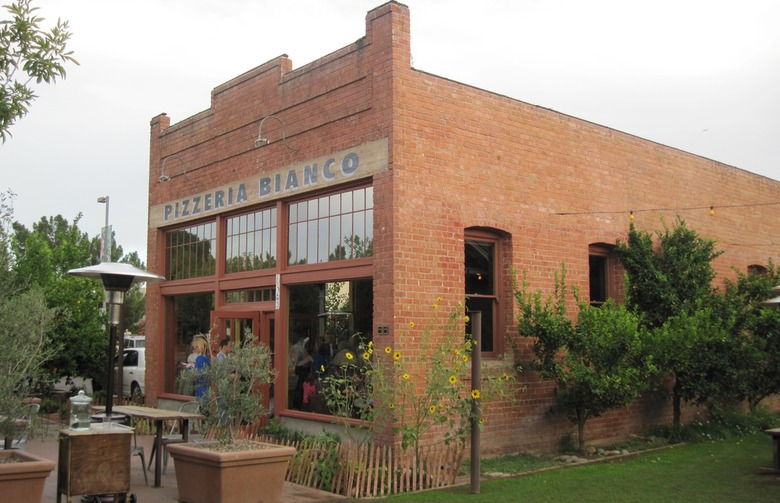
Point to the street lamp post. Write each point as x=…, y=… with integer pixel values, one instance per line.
x=105, y=238
x=117, y=279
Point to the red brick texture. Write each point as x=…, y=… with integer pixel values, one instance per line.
x=459, y=157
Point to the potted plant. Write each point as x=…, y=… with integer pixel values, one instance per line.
x=224, y=470
x=24, y=322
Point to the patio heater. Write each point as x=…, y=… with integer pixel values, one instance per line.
x=117, y=279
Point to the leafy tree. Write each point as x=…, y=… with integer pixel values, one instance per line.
x=670, y=287
x=755, y=335
x=25, y=323
x=696, y=350
x=671, y=279
x=43, y=257
x=597, y=363
x=28, y=53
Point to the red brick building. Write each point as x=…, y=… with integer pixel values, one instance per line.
x=397, y=187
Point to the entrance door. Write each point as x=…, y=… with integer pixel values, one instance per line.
x=235, y=325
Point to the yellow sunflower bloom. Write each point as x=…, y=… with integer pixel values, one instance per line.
x=453, y=379
x=432, y=409
x=465, y=358
x=366, y=356
x=349, y=355
x=397, y=355
x=438, y=299
x=391, y=406
x=406, y=376
x=475, y=394
x=411, y=324
x=388, y=349
x=467, y=319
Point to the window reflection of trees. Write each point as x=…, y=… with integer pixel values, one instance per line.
x=330, y=228
x=191, y=251
x=251, y=241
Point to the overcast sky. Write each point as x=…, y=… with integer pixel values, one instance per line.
x=699, y=75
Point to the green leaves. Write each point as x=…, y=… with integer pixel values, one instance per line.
x=28, y=53
x=597, y=363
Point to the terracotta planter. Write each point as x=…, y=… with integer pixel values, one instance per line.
x=209, y=476
x=24, y=480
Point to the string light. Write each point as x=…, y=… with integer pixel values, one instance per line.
x=711, y=209
x=631, y=216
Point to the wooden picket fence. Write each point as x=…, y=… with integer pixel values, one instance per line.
x=359, y=471
x=364, y=470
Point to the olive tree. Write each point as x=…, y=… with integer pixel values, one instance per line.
x=28, y=55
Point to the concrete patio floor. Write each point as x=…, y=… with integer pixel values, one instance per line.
x=45, y=444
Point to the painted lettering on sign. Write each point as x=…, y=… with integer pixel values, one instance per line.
x=357, y=162
x=307, y=175
x=204, y=203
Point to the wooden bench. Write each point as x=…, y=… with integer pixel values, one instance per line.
x=775, y=434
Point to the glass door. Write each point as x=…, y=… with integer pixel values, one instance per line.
x=234, y=326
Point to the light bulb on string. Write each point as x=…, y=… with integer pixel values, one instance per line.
x=631, y=216
x=712, y=211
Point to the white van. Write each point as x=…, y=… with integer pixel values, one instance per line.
x=134, y=372
x=135, y=341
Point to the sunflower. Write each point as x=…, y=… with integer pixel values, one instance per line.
x=411, y=324
x=349, y=355
x=432, y=409
x=453, y=379
x=475, y=394
x=388, y=349
x=406, y=376
x=397, y=355
x=391, y=406
x=366, y=356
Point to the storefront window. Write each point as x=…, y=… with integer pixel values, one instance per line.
x=251, y=241
x=191, y=315
x=326, y=321
x=191, y=251
x=335, y=227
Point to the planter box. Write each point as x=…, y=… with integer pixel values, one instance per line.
x=211, y=476
x=24, y=480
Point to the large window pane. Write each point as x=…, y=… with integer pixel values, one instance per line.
x=330, y=234
x=326, y=321
x=251, y=245
x=191, y=316
x=191, y=251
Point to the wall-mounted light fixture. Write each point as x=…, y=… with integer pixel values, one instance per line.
x=163, y=176
x=265, y=141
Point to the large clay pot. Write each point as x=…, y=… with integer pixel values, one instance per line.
x=23, y=480
x=204, y=475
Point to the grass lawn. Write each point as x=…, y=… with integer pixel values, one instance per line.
x=725, y=471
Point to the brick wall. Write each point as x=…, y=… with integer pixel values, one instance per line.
x=459, y=157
